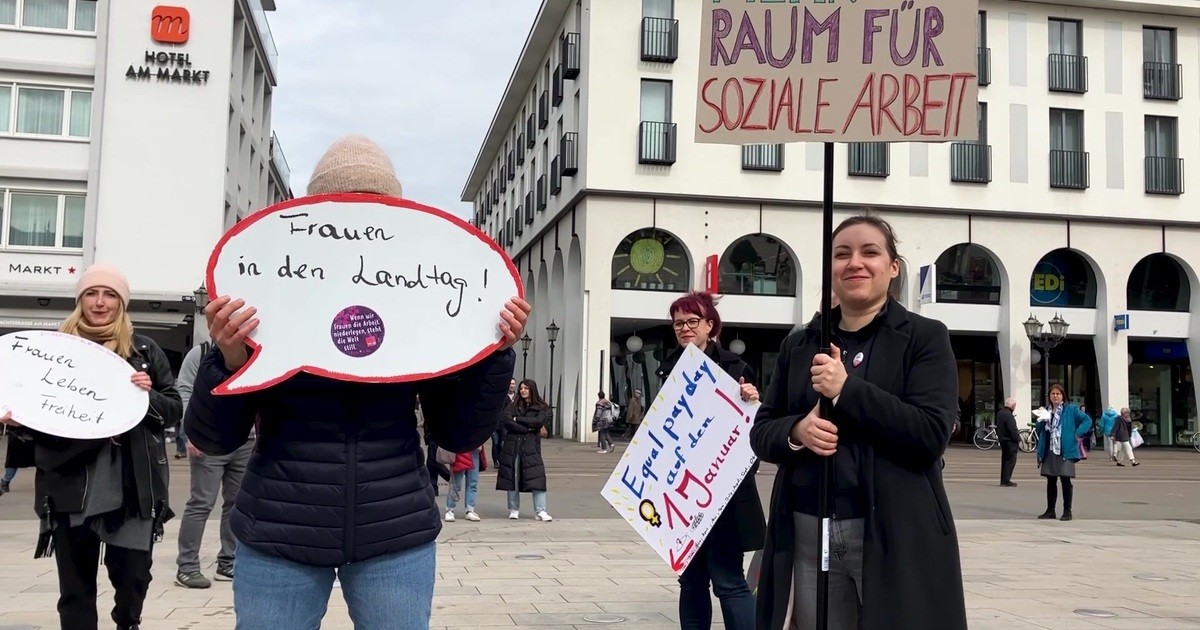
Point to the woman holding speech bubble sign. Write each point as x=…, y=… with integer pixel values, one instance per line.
x=109, y=491
x=740, y=527
x=338, y=485
x=893, y=553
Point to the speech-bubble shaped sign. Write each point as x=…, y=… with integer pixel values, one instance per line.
x=68, y=386
x=363, y=288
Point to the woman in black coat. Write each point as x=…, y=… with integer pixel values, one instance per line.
x=892, y=378
x=740, y=527
x=520, y=468
x=111, y=491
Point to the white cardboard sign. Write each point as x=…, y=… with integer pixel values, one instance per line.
x=362, y=288
x=686, y=460
x=68, y=386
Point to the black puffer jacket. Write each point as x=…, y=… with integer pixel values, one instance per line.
x=337, y=474
x=522, y=437
x=61, y=480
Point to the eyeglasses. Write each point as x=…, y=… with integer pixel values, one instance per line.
x=691, y=323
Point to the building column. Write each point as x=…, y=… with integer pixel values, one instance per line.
x=1015, y=359
x=597, y=338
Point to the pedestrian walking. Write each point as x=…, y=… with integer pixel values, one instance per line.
x=892, y=379
x=1058, y=449
x=520, y=467
x=741, y=527
x=107, y=492
x=498, y=434
x=212, y=476
x=337, y=485
x=1010, y=441
x=1108, y=422
x=1123, y=438
x=465, y=471
x=603, y=419
x=633, y=413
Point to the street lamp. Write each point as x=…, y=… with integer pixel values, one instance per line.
x=1046, y=340
x=201, y=297
x=525, y=341
x=552, y=335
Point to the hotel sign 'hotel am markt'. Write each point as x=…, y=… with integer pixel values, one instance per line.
x=837, y=71
x=171, y=27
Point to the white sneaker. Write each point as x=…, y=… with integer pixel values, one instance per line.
x=544, y=517
x=601, y=451
x=472, y=516
x=450, y=516
x=513, y=515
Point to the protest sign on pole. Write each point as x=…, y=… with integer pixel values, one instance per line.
x=687, y=459
x=68, y=386
x=837, y=72
x=362, y=288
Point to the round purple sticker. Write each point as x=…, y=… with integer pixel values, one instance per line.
x=357, y=331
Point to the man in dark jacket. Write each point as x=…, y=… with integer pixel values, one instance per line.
x=337, y=485
x=1010, y=440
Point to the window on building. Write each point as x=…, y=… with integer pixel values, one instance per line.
x=1161, y=137
x=47, y=111
x=5, y=106
x=1066, y=37
x=8, y=12
x=85, y=15
x=46, y=13
x=43, y=220
x=1066, y=129
x=1158, y=45
x=656, y=101
x=658, y=8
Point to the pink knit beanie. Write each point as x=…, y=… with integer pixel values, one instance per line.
x=355, y=164
x=107, y=276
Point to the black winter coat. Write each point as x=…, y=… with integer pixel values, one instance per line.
x=1006, y=427
x=522, y=444
x=61, y=480
x=337, y=474
x=902, y=410
x=742, y=521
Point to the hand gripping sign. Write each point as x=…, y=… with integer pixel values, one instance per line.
x=362, y=288
x=68, y=386
x=686, y=460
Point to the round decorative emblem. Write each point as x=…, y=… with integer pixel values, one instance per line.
x=646, y=256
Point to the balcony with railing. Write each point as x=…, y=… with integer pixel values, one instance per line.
x=264, y=33
x=510, y=164
x=555, y=175
x=984, y=63
x=508, y=232
x=487, y=203
x=280, y=163
x=528, y=206
x=1069, y=169
x=1068, y=73
x=660, y=39
x=518, y=224
x=530, y=133
x=762, y=157
x=1164, y=175
x=569, y=54
x=543, y=110
x=556, y=86
x=503, y=181
x=970, y=162
x=520, y=149
x=1162, y=81
x=568, y=150
x=529, y=214
x=541, y=193
x=657, y=143
x=868, y=159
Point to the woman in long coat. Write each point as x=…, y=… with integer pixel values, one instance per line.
x=895, y=560
x=520, y=468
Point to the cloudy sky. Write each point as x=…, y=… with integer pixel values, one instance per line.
x=420, y=79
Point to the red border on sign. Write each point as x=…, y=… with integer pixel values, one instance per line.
x=209, y=283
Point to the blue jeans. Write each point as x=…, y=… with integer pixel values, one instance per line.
x=180, y=439
x=514, y=498
x=471, y=478
x=390, y=592
x=722, y=565
x=9, y=474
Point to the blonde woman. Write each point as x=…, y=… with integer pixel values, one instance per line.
x=110, y=491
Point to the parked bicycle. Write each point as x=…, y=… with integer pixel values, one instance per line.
x=985, y=438
x=1029, y=438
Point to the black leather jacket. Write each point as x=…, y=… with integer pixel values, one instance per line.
x=61, y=480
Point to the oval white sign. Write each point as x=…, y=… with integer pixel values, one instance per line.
x=68, y=386
x=362, y=288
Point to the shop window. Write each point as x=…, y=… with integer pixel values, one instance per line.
x=1063, y=278
x=651, y=260
x=967, y=274
x=758, y=264
x=1158, y=283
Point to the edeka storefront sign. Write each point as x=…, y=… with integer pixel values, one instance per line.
x=170, y=25
x=1048, y=286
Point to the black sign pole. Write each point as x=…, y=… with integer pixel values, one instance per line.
x=826, y=409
